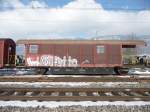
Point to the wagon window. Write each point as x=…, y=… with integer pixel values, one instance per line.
x=33, y=49
x=100, y=49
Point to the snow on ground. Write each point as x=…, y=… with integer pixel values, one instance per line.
x=73, y=84
x=44, y=84
x=95, y=76
x=144, y=76
x=144, y=72
x=139, y=71
x=53, y=104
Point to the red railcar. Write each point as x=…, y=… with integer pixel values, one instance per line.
x=92, y=55
x=7, y=52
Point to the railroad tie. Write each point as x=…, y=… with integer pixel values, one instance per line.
x=89, y=93
x=21, y=93
x=128, y=93
x=1, y=92
x=9, y=93
x=62, y=93
x=35, y=93
x=142, y=93
x=115, y=93
x=48, y=93
x=101, y=93
x=75, y=93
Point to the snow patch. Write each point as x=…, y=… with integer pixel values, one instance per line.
x=65, y=84
x=53, y=104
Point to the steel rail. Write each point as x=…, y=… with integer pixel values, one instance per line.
x=77, y=98
x=73, y=79
x=74, y=89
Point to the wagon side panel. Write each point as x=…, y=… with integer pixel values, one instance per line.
x=73, y=55
x=1, y=53
x=39, y=55
x=114, y=55
x=6, y=55
x=100, y=55
x=86, y=55
x=108, y=55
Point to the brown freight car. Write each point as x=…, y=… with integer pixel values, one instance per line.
x=7, y=52
x=76, y=56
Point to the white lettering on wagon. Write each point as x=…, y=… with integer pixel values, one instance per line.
x=33, y=62
x=49, y=60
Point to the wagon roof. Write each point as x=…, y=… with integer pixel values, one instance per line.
x=4, y=39
x=8, y=40
x=60, y=41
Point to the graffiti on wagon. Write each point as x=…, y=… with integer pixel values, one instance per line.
x=49, y=60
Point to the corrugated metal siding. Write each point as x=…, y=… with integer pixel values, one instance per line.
x=101, y=58
x=74, y=52
x=86, y=54
x=6, y=52
x=111, y=56
x=45, y=49
x=114, y=56
x=60, y=50
x=9, y=55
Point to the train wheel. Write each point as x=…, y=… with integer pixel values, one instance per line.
x=124, y=71
x=117, y=70
x=42, y=71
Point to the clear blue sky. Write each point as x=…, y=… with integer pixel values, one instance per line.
x=107, y=4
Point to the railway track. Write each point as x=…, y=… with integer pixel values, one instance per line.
x=75, y=94
x=41, y=78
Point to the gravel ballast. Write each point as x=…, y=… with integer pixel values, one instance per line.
x=112, y=108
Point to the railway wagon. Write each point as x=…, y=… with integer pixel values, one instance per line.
x=76, y=56
x=7, y=52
